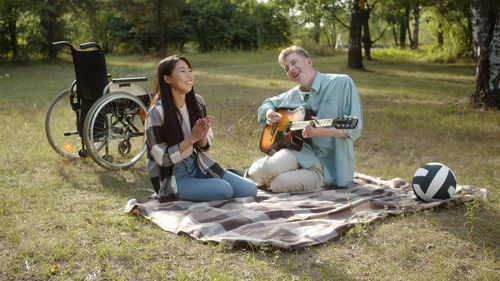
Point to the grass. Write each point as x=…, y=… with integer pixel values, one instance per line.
x=63, y=218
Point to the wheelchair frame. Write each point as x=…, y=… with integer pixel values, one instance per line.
x=109, y=115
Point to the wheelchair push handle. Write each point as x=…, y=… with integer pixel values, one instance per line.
x=90, y=45
x=62, y=43
x=82, y=46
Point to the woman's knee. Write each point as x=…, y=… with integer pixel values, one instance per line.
x=245, y=189
x=224, y=190
x=205, y=190
x=242, y=187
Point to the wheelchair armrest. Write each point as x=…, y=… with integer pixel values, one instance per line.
x=128, y=80
x=90, y=45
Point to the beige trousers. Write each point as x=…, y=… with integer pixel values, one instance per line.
x=282, y=173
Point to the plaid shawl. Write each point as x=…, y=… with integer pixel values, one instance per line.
x=289, y=220
x=161, y=158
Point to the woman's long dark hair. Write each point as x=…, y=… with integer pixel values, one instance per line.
x=162, y=90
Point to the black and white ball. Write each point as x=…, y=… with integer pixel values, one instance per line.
x=434, y=182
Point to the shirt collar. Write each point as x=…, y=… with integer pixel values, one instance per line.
x=316, y=85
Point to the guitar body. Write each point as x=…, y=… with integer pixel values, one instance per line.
x=277, y=136
x=287, y=133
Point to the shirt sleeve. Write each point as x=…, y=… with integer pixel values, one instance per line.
x=270, y=103
x=352, y=106
x=162, y=154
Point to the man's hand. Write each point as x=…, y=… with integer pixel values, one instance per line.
x=272, y=116
x=310, y=131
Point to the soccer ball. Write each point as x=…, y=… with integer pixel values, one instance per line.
x=434, y=182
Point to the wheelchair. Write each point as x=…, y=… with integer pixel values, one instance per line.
x=97, y=117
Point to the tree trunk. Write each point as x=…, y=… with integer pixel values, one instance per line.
x=12, y=30
x=394, y=34
x=440, y=38
x=160, y=33
x=416, y=18
x=367, y=41
x=49, y=15
x=327, y=36
x=402, y=28
x=317, y=28
x=334, y=35
x=409, y=33
x=51, y=32
x=470, y=41
x=486, y=37
x=354, y=57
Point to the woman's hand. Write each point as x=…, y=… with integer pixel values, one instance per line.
x=200, y=129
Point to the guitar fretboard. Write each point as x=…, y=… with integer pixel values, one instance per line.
x=300, y=125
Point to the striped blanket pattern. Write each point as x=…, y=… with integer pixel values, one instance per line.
x=288, y=220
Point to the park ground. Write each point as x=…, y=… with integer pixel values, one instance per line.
x=63, y=218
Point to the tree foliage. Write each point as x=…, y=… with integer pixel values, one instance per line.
x=27, y=27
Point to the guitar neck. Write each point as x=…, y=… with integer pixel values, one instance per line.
x=300, y=125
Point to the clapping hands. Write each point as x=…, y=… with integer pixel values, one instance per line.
x=200, y=129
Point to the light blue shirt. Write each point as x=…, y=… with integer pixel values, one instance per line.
x=331, y=96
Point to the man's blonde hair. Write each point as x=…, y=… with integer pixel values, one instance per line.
x=292, y=49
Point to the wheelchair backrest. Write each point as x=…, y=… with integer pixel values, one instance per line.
x=91, y=74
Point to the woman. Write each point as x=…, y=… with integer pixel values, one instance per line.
x=177, y=132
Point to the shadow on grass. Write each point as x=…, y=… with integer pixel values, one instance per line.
x=130, y=183
x=295, y=264
x=473, y=221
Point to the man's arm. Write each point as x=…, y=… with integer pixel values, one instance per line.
x=270, y=103
x=351, y=105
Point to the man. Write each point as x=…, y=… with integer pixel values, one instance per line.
x=328, y=158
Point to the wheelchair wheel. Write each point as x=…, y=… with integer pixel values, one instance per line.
x=113, y=131
x=61, y=126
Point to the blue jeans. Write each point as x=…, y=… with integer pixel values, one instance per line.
x=193, y=185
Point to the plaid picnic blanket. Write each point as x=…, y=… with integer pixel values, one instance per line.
x=289, y=220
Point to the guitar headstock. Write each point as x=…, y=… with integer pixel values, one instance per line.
x=346, y=122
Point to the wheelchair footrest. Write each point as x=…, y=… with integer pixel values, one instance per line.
x=70, y=133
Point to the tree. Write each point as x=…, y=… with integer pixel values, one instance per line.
x=217, y=24
x=416, y=17
x=312, y=11
x=100, y=23
x=8, y=25
x=354, y=56
x=151, y=22
x=486, y=37
x=404, y=24
x=336, y=9
x=50, y=13
x=367, y=41
x=272, y=27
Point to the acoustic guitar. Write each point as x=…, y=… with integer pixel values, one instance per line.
x=287, y=133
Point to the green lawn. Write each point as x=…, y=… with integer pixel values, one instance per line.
x=63, y=218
